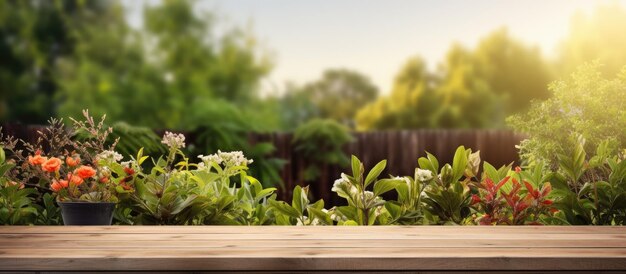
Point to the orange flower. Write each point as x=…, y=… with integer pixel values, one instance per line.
x=58, y=185
x=37, y=159
x=518, y=169
x=104, y=180
x=75, y=180
x=52, y=165
x=85, y=172
x=72, y=162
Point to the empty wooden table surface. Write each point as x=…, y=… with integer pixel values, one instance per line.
x=273, y=249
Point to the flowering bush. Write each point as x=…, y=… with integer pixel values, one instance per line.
x=176, y=191
x=73, y=170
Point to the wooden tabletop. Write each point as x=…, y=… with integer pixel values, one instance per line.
x=278, y=248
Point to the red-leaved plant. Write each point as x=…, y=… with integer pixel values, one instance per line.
x=519, y=206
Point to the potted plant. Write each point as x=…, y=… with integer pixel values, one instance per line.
x=76, y=165
x=84, y=190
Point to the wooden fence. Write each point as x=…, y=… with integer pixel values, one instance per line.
x=400, y=148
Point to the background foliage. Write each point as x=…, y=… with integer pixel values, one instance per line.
x=182, y=71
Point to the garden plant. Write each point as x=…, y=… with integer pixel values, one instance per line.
x=217, y=189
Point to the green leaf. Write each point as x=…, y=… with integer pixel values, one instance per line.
x=319, y=214
x=350, y=223
x=5, y=167
x=385, y=185
x=491, y=172
x=285, y=209
x=356, y=168
x=375, y=172
x=296, y=201
x=459, y=163
x=393, y=209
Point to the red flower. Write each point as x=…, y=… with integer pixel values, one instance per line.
x=518, y=169
x=129, y=171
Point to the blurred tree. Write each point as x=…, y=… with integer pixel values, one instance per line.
x=512, y=70
x=467, y=99
x=337, y=95
x=154, y=77
x=596, y=37
x=411, y=103
x=34, y=35
x=296, y=107
x=470, y=89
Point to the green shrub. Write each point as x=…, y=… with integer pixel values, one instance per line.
x=590, y=191
x=585, y=104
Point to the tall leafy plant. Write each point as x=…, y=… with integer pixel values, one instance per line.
x=365, y=207
x=447, y=196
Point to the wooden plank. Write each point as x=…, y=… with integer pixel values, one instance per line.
x=449, y=231
x=191, y=263
x=383, y=248
x=168, y=241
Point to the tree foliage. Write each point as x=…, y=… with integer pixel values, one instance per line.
x=34, y=36
x=470, y=89
x=586, y=104
x=337, y=95
x=151, y=78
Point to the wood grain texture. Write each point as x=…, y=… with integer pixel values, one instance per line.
x=282, y=248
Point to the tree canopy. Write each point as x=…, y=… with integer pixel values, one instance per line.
x=471, y=88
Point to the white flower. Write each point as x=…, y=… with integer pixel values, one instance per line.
x=367, y=195
x=127, y=164
x=315, y=221
x=233, y=158
x=173, y=140
x=405, y=179
x=353, y=190
x=424, y=175
x=213, y=158
x=110, y=156
x=337, y=185
x=303, y=221
x=344, y=176
x=344, y=184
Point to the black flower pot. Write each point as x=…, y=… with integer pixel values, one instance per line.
x=85, y=213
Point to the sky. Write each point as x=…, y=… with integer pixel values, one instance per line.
x=377, y=37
